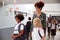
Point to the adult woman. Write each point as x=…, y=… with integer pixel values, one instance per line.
x=40, y=15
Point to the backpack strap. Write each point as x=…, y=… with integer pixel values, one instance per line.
x=39, y=34
x=19, y=27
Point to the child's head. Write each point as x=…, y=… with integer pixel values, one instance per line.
x=19, y=18
x=37, y=22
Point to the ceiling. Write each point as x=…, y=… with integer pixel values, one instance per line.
x=29, y=1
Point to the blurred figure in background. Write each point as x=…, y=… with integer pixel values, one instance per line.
x=42, y=16
x=38, y=32
x=53, y=28
x=28, y=26
x=49, y=25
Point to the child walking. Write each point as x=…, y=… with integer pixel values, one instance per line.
x=38, y=32
x=53, y=28
x=18, y=33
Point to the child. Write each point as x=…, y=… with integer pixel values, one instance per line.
x=53, y=28
x=49, y=25
x=37, y=33
x=18, y=33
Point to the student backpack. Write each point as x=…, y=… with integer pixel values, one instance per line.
x=24, y=28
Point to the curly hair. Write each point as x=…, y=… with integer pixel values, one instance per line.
x=20, y=17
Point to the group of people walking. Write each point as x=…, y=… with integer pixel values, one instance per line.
x=52, y=27
x=35, y=29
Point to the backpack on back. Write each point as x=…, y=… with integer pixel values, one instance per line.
x=24, y=28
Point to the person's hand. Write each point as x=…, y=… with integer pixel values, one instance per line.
x=12, y=36
x=43, y=38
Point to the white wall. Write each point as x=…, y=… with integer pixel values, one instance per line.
x=7, y=18
x=53, y=9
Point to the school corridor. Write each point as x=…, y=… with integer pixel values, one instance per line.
x=10, y=8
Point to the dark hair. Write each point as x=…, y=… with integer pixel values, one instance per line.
x=39, y=4
x=20, y=17
x=29, y=18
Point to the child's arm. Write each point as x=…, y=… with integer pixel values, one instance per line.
x=19, y=35
x=43, y=38
x=21, y=32
x=12, y=35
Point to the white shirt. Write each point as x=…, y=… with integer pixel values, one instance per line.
x=53, y=26
x=16, y=28
x=35, y=35
x=49, y=24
